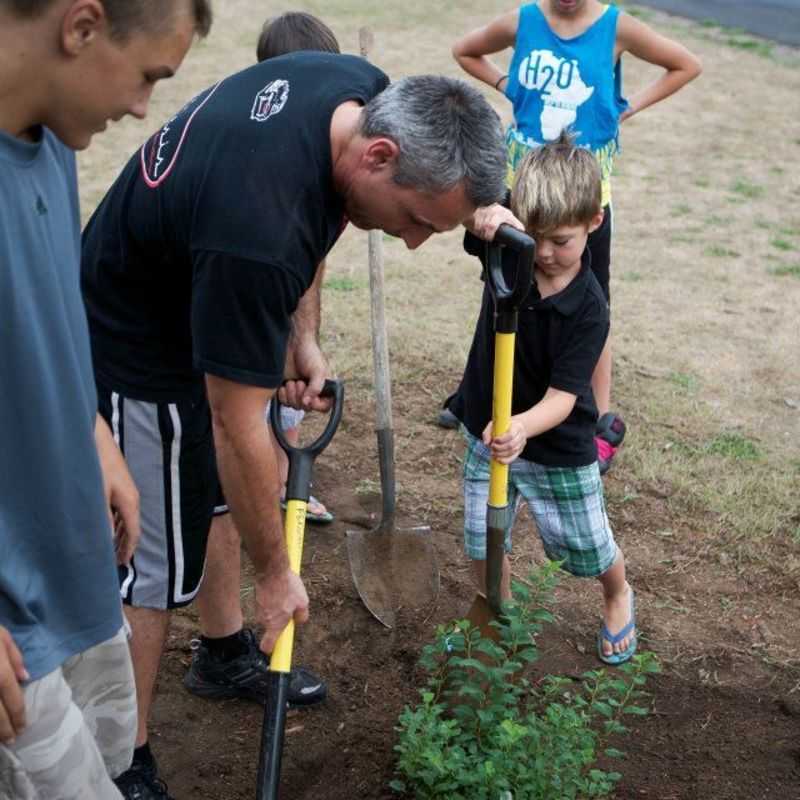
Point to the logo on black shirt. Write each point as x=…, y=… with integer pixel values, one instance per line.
x=270, y=100
x=160, y=152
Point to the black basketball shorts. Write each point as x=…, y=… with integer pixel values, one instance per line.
x=169, y=449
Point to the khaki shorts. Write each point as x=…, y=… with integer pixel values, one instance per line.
x=80, y=731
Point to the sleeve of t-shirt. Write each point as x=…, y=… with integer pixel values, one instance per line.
x=574, y=365
x=241, y=317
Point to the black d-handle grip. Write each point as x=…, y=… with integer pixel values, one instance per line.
x=332, y=388
x=509, y=298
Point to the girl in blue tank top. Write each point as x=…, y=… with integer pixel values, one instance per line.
x=566, y=72
x=555, y=83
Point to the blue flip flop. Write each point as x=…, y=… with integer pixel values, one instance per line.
x=615, y=659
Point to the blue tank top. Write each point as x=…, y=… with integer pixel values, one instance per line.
x=556, y=83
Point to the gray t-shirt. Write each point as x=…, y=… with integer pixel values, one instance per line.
x=59, y=593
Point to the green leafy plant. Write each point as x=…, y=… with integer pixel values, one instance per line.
x=483, y=731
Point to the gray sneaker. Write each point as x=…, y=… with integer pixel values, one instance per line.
x=246, y=676
x=447, y=419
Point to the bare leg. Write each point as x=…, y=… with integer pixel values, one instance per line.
x=616, y=604
x=218, y=601
x=601, y=380
x=505, y=581
x=150, y=626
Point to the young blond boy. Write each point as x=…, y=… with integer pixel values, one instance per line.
x=563, y=326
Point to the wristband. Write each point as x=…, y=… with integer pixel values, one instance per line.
x=499, y=81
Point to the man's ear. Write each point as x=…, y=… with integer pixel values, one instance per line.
x=82, y=22
x=380, y=154
x=597, y=221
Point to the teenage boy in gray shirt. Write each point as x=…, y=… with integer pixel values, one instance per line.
x=66, y=68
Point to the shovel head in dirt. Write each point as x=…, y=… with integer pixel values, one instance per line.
x=487, y=608
x=392, y=567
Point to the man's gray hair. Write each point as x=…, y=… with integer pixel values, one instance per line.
x=446, y=133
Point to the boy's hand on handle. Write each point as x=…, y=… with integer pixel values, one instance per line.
x=278, y=599
x=486, y=220
x=506, y=448
x=12, y=701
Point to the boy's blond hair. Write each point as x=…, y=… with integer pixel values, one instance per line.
x=556, y=184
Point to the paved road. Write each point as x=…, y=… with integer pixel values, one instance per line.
x=778, y=20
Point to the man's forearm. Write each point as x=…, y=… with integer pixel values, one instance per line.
x=249, y=473
x=306, y=319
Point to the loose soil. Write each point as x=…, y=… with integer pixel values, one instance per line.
x=724, y=724
x=705, y=296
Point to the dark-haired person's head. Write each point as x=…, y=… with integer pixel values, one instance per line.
x=292, y=31
x=98, y=60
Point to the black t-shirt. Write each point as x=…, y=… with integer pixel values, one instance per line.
x=198, y=255
x=558, y=343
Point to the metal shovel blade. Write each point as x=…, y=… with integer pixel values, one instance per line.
x=393, y=568
x=481, y=616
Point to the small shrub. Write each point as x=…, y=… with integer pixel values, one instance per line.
x=781, y=244
x=483, y=732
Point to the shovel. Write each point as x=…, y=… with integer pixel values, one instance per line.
x=507, y=299
x=392, y=567
x=298, y=485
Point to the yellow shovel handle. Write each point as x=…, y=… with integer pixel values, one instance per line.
x=501, y=413
x=294, y=529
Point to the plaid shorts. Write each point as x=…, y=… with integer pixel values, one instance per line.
x=566, y=503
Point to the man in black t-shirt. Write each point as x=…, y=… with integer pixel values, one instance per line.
x=202, y=291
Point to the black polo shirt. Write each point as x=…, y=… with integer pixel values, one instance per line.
x=558, y=344
x=196, y=259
